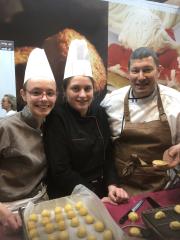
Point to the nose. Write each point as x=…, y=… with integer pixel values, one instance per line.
x=141, y=75
x=82, y=93
x=44, y=96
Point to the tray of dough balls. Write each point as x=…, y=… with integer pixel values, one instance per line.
x=165, y=222
x=78, y=216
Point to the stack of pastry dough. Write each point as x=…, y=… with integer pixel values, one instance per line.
x=70, y=222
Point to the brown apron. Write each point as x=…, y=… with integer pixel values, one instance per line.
x=138, y=145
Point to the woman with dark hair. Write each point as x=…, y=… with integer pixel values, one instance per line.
x=77, y=137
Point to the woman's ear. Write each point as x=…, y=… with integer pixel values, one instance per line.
x=23, y=94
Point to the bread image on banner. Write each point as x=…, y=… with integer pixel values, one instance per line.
x=56, y=48
x=21, y=55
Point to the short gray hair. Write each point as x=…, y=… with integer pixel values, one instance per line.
x=12, y=101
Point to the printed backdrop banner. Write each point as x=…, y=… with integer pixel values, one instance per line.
x=52, y=25
x=7, y=70
x=133, y=24
x=112, y=28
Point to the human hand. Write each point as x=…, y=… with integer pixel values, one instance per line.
x=172, y=156
x=108, y=200
x=117, y=195
x=11, y=222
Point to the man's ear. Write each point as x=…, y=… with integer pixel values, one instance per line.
x=23, y=94
x=160, y=69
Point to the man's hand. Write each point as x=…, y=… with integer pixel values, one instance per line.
x=10, y=221
x=172, y=156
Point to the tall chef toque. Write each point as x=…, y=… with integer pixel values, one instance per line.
x=38, y=67
x=78, y=60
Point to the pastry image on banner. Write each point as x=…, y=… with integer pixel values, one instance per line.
x=52, y=26
x=56, y=48
x=154, y=25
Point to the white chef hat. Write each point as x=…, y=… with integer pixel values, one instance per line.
x=38, y=66
x=78, y=60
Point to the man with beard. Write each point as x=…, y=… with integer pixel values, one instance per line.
x=145, y=121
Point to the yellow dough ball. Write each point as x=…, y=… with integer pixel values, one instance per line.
x=107, y=235
x=31, y=225
x=174, y=225
x=33, y=233
x=49, y=228
x=91, y=237
x=83, y=211
x=57, y=210
x=81, y=231
x=99, y=226
x=159, y=215
x=74, y=222
x=133, y=216
x=45, y=220
x=135, y=232
x=177, y=208
x=68, y=207
x=45, y=213
x=33, y=217
x=52, y=237
x=64, y=235
x=89, y=219
x=59, y=217
x=61, y=225
x=79, y=205
x=71, y=214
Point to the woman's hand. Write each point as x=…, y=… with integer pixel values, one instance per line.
x=172, y=156
x=10, y=221
x=116, y=195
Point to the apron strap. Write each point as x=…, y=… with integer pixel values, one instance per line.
x=162, y=114
x=126, y=107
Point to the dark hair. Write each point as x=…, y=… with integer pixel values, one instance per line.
x=66, y=82
x=12, y=101
x=143, y=52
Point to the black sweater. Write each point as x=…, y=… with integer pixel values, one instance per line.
x=78, y=149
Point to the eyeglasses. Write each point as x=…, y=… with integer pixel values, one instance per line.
x=40, y=93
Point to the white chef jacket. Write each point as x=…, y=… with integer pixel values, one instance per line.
x=143, y=109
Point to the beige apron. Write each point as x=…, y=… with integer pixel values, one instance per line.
x=138, y=145
x=41, y=195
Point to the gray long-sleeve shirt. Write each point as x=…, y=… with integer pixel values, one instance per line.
x=22, y=158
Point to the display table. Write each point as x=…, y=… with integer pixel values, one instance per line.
x=164, y=198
